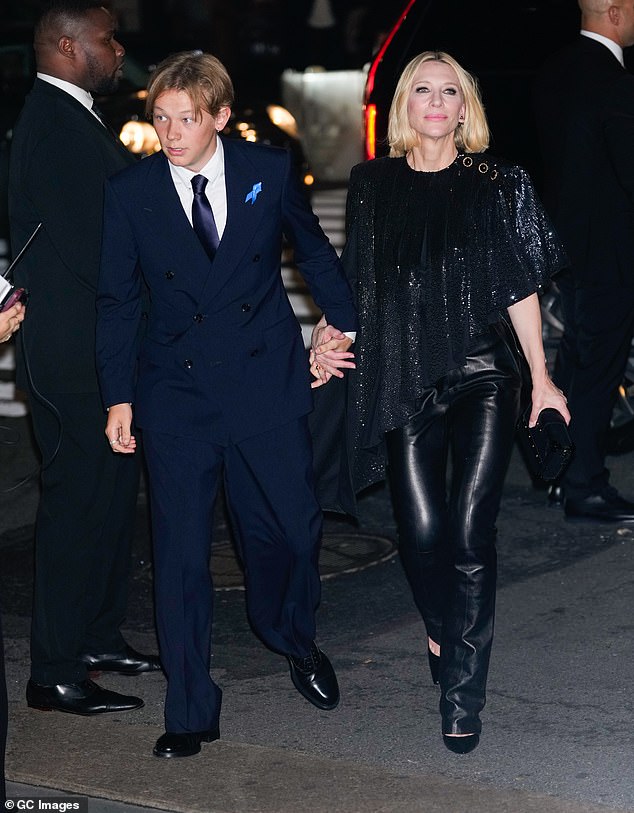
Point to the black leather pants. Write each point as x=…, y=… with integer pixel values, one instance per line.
x=447, y=525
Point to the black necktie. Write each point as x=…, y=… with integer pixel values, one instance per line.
x=99, y=115
x=203, y=218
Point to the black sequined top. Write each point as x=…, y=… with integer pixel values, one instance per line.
x=434, y=258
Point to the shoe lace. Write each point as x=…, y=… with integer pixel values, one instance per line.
x=310, y=662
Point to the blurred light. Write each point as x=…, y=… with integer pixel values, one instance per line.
x=309, y=179
x=250, y=135
x=370, y=131
x=141, y=94
x=242, y=125
x=370, y=109
x=139, y=137
x=283, y=119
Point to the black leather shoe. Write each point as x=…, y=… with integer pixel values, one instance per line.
x=183, y=745
x=315, y=679
x=555, y=496
x=86, y=698
x=127, y=662
x=608, y=506
x=461, y=745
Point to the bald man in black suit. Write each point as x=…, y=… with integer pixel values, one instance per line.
x=584, y=104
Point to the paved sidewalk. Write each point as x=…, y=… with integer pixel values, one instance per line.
x=557, y=729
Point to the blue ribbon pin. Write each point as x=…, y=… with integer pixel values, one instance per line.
x=257, y=188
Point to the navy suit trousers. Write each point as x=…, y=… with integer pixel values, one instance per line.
x=277, y=522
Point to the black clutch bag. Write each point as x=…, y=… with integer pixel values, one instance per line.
x=547, y=445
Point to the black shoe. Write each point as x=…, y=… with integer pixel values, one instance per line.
x=461, y=745
x=126, y=662
x=315, y=679
x=555, y=496
x=184, y=745
x=608, y=506
x=85, y=698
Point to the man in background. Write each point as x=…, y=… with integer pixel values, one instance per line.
x=61, y=155
x=584, y=104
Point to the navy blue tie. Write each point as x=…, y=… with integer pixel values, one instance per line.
x=203, y=218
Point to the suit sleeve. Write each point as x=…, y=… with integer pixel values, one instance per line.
x=118, y=304
x=316, y=259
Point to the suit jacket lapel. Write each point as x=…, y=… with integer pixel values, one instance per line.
x=46, y=89
x=168, y=216
x=243, y=217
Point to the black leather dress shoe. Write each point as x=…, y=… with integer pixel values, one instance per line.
x=315, y=679
x=608, y=506
x=183, y=745
x=127, y=662
x=86, y=698
x=461, y=745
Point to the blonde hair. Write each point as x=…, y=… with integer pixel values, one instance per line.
x=471, y=136
x=203, y=77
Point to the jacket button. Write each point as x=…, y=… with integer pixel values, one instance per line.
x=198, y=318
x=188, y=363
x=246, y=307
x=169, y=275
x=254, y=352
x=256, y=258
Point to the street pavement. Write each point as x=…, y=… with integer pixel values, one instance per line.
x=557, y=728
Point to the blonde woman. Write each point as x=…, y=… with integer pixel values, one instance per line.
x=444, y=245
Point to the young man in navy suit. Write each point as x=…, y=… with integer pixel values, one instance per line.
x=220, y=384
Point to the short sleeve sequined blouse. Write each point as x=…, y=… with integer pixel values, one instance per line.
x=434, y=259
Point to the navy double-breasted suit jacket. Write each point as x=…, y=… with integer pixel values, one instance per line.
x=222, y=356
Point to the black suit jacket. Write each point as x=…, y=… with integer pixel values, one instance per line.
x=60, y=158
x=584, y=106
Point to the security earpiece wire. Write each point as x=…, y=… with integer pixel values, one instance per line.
x=50, y=406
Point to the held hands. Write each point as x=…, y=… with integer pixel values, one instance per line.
x=329, y=353
x=546, y=395
x=10, y=321
x=118, y=429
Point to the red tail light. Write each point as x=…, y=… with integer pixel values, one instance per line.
x=370, y=109
x=370, y=131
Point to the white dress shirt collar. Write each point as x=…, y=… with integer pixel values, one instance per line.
x=610, y=44
x=81, y=95
x=212, y=169
x=215, y=191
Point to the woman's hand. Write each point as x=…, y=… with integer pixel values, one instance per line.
x=10, y=321
x=546, y=395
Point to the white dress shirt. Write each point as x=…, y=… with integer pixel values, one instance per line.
x=216, y=190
